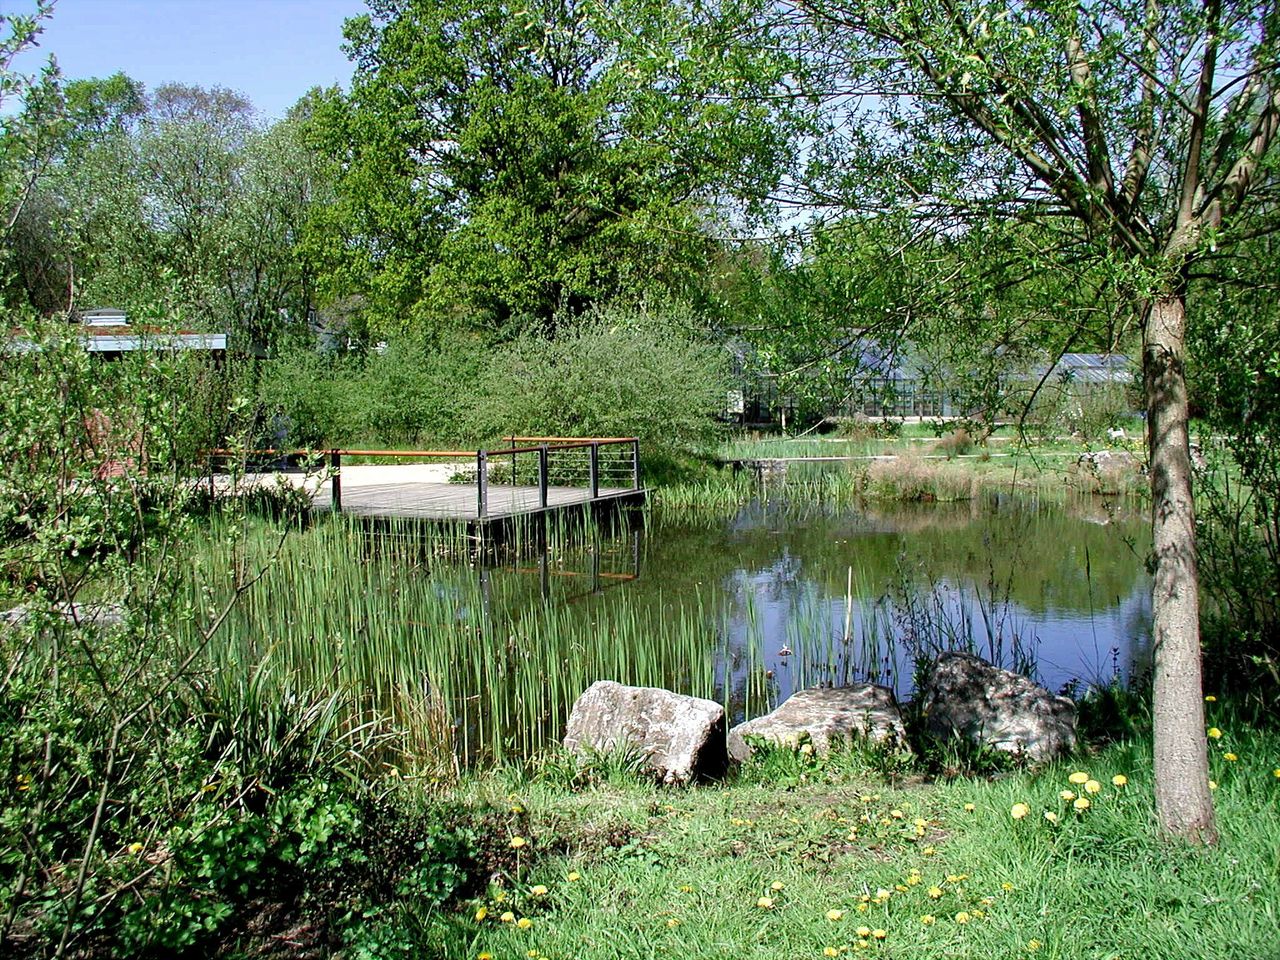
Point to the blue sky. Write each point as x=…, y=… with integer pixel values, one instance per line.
x=273, y=51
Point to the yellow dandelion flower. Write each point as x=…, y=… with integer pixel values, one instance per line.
x=957, y=877
x=1067, y=795
x=524, y=923
x=501, y=896
x=765, y=903
x=962, y=917
x=481, y=914
x=913, y=880
x=934, y=892
x=531, y=953
x=883, y=894
x=862, y=944
x=1119, y=780
x=518, y=842
x=864, y=897
x=486, y=955
x=673, y=922
x=686, y=889
x=1078, y=777
x=1051, y=816
x=574, y=876
x=508, y=917
x=830, y=952
x=1211, y=699
x=516, y=808
x=1213, y=784
x=1082, y=803
x=834, y=915
x=900, y=888
x=970, y=807
x=897, y=814
x=928, y=919
x=863, y=932
x=1215, y=733
x=806, y=749
x=1019, y=810
x=863, y=907
x=135, y=847
x=1034, y=945
x=978, y=914
x=776, y=886
x=928, y=851
x=1230, y=756
x=1092, y=786
x=879, y=934
x=539, y=890
x=987, y=901
x=1276, y=773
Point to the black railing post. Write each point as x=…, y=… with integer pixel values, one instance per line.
x=635, y=464
x=335, y=464
x=542, y=476
x=482, y=484
x=593, y=471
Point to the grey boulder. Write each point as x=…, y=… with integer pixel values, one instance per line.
x=997, y=708
x=681, y=738
x=824, y=715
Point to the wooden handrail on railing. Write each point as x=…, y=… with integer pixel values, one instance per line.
x=545, y=446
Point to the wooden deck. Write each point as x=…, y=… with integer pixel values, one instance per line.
x=459, y=501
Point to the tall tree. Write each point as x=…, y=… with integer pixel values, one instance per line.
x=1137, y=130
x=503, y=161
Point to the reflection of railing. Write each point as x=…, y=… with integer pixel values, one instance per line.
x=591, y=464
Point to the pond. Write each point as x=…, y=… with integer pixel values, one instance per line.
x=485, y=661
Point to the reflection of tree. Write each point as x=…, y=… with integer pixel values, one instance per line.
x=1049, y=557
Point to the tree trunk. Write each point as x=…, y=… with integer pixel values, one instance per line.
x=1183, y=804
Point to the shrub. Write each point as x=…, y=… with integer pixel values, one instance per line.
x=955, y=444
x=307, y=399
x=620, y=372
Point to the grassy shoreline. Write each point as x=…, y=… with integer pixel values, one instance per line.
x=621, y=868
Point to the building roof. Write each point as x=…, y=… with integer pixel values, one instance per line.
x=107, y=330
x=1091, y=368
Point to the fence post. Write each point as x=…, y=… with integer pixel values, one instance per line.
x=542, y=476
x=593, y=471
x=635, y=464
x=482, y=484
x=335, y=463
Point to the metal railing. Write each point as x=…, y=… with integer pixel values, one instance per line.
x=527, y=472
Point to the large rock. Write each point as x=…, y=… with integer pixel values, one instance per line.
x=681, y=738
x=992, y=707
x=823, y=715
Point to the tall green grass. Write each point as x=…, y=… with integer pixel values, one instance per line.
x=478, y=662
x=471, y=661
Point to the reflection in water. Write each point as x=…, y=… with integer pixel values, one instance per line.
x=802, y=598
x=747, y=609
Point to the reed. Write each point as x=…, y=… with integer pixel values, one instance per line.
x=474, y=663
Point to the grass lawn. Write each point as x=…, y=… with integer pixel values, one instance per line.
x=799, y=857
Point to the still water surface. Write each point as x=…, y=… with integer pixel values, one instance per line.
x=745, y=609
x=796, y=597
